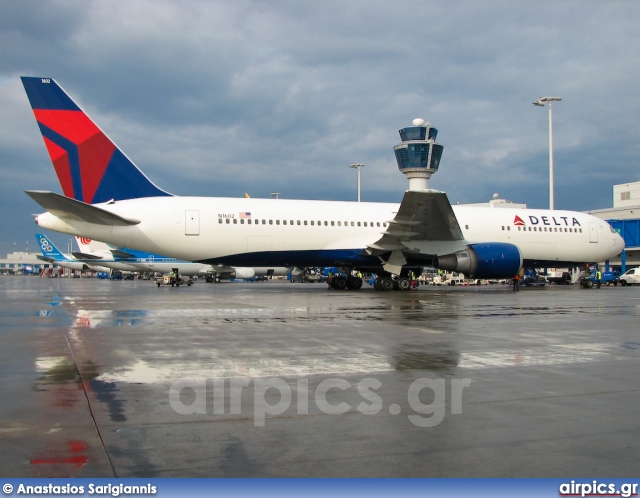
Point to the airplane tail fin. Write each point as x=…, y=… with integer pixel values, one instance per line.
x=90, y=167
x=49, y=250
x=92, y=246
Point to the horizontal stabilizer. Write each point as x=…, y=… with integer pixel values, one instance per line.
x=65, y=207
x=84, y=255
x=121, y=254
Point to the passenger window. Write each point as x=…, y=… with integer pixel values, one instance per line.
x=219, y=220
x=235, y=221
x=277, y=222
x=242, y=221
x=270, y=222
x=228, y=221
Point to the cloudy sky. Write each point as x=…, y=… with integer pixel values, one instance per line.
x=221, y=98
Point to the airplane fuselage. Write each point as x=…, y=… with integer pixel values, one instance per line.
x=281, y=232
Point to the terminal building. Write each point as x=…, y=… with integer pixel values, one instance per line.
x=23, y=263
x=624, y=217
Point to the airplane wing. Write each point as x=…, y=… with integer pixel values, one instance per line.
x=423, y=215
x=65, y=207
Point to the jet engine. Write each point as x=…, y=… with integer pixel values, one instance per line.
x=243, y=273
x=491, y=260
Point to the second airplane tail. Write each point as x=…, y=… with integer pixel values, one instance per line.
x=90, y=167
x=49, y=250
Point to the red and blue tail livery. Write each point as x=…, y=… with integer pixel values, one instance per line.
x=90, y=167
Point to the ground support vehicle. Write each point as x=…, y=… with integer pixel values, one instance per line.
x=631, y=277
x=588, y=280
x=532, y=278
x=454, y=279
x=560, y=276
x=174, y=279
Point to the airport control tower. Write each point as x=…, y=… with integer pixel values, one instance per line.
x=418, y=155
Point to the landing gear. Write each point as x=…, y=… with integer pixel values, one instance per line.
x=388, y=282
x=403, y=284
x=349, y=282
x=384, y=283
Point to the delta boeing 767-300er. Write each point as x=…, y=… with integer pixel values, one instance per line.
x=107, y=198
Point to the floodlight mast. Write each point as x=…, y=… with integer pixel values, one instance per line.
x=357, y=167
x=540, y=103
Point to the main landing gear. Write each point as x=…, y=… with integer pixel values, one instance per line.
x=389, y=282
x=340, y=282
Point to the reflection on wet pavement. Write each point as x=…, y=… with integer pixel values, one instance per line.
x=90, y=364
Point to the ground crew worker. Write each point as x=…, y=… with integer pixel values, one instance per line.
x=598, y=278
x=516, y=282
x=329, y=278
x=412, y=278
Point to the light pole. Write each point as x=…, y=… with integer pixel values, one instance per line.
x=358, y=166
x=540, y=103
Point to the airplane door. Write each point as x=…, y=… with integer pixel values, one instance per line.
x=192, y=222
x=150, y=263
x=593, y=232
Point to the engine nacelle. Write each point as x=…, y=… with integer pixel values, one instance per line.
x=491, y=260
x=243, y=273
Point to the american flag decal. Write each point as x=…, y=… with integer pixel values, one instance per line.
x=245, y=215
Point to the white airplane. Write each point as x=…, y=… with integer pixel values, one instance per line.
x=135, y=261
x=147, y=262
x=106, y=197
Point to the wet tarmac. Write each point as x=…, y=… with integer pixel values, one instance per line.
x=103, y=379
